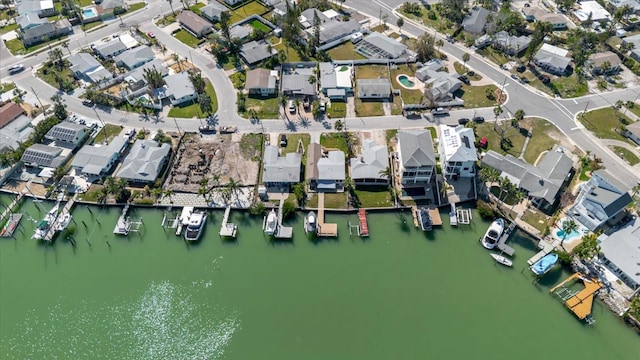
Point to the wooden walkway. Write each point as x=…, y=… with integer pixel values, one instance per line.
x=11, y=225
x=8, y=211
x=581, y=302
x=283, y=232
x=363, y=230
x=228, y=229
x=325, y=230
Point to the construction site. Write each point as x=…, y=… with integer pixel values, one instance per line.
x=216, y=158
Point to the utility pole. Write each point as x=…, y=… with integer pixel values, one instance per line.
x=37, y=97
x=106, y=140
x=585, y=109
x=177, y=127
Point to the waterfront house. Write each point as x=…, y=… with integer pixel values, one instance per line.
x=475, y=22
x=510, y=44
x=415, y=156
x=212, y=11
x=95, y=161
x=144, y=162
x=379, y=89
x=606, y=63
x=254, y=52
x=325, y=170
x=380, y=46
x=542, y=182
x=552, y=59
x=135, y=57
x=370, y=166
x=335, y=80
x=41, y=156
x=68, y=133
x=281, y=171
x=620, y=252
x=261, y=82
x=457, y=151
x=86, y=68
x=633, y=132
x=601, y=200
x=110, y=49
x=194, y=24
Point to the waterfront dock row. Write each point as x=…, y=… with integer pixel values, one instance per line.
x=11, y=225
x=579, y=302
x=125, y=225
x=324, y=229
x=228, y=229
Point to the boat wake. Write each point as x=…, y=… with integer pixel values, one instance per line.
x=166, y=322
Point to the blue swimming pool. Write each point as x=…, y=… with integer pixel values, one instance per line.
x=404, y=80
x=89, y=13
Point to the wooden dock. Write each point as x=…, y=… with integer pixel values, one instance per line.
x=228, y=229
x=11, y=225
x=502, y=243
x=581, y=302
x=324, y=230
x=363, y=229
x=434, y=214
x=282, y=232
x=9, y=208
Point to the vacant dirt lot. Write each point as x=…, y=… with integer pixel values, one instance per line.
x=207, y=157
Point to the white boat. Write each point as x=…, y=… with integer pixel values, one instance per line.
x=453, y=215
x=310, y=223
x=271, y=223
x=502, y=260
x=492, y=236
x=196, y=224
x=63, y=221
x=45, y=224
x=184, y=219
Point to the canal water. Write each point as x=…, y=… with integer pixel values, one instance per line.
x=399, y=294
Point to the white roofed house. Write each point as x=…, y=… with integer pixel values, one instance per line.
x=325, y=171
x=135, y=57
x=178, y=89
x=369, y=167
x=95, y=161
x=620, y=252
x=552, y=59
x=68, y=133
x=295, y=82
x=335, y=81
x=591, y=11
x=42, y=8
x=86, y=68
x=379, y=46
x=601, y=200
x=144, y=162
x=415, y=156
x=281, y=170
x=212, y=11
x=457, y=149
x=510, y=44
x=440, y=86
x=110, y=49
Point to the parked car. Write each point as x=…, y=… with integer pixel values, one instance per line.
x=521, y=68
x=87, y=102
x=464, y=79
x=440, y=111
x=306, y=103
x=544, y=78
x=478, y=119
x=323, y=107
x=483, y=143
x=514, y=76
x=283, y=140
x=463, y=121
x=151, y=35
x=292, y=107
x=14, y=69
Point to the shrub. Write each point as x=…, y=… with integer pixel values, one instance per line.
x=563, y=256
x=288, y=209
x=257, y=209
x=485, y=210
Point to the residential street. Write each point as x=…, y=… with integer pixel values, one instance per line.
x=561, y=112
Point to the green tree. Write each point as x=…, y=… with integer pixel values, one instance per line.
x=288, y=209
x=198, y=82
x=205, y=104
x=338, y=125
x=59, y=107
x=400, y=23
x=588, y=248
x=465, y=58
x=489, y=174
x=153, y=77
x=225, y=17
x=55, y=56
x=425, y=47
x=171, y=6
x=568, y=226
x=299, y=193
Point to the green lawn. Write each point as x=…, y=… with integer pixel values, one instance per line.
x=335, y=201
x=603, y=123
x=487, y=130
x=188, y=39
x=196, y=7
x=169, y=19
x=344, y=51
x=635, y=108
x=460, y=69
x=193, y=110
x=536, y=219
x=292, y=54
x=246, y=11
x=368, y=108
x=10, y=27
x=84, y=3
x=626, y=154
x=93, y=26
x=493, y=55
x=337, y=109
x=238, y=79
x=259, y=25
x=334, y=141
x=292, y=144
x=476, y=96
x=396, y=106
x=431, y=18
x=540, y=140
x=92, y=193
x=4, y=87
x=390, y=134
x=570, y=86
x=372, y=72
x=108, y=132
x=15, y=46
x=409, y=96
x=374, y=196
x=135, y=6
x=265, y=108
x=48, y=73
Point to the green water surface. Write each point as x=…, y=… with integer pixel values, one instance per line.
x=399, y=294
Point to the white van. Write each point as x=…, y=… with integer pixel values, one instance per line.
x=292, y=107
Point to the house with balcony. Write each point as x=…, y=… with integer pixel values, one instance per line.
x=369, y=167
x=552, y=59
x=416, y=160
x=325, y=170
x=457, y=150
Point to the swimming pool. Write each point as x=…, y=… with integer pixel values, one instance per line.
x=574, y=234
x=89, y=13
x=404, y=80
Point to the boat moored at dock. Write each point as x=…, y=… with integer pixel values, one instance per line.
x=425, y=219
x=197, y=220
x=46, y=223
x=310, y=223
x=492, y=236
x=271, y=223
x=545, y=264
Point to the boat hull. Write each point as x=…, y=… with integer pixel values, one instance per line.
x=545, y=264
x=502, y=260
x=492, y=236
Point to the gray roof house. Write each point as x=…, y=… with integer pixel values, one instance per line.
x=542, y=183
x=135, y=78
x=96, y=160
x=296, y=82
x=110, y=49
x=602, y=199
x=144, y=162
x=135, y=57
x=239, y=32
x=509, y=44
x=374, y=88
x=86, y=67
x=178, y=88
x=194, y=24
x=325, y=171
x=335, y=31
x=261, y=81
x=367, y=167
x=307, y=16
x=281, y=170
x=597, y=60
x=633, y=132
x=475, y=22
x=40, y=155
x=68, y=132
x=29, y=20
x=635, y=50
x=457, y=149
x=42, y=8
x=622, y=250
x=212, y=11
x=256, y=51
x=47, y=30
x=552, y=59
x=439, y=85
x=416, y=158
x=379, y=46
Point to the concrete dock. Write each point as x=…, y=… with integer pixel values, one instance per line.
x=228, y=229
x=502, y=243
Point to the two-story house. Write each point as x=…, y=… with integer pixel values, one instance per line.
x=457, y=151
x=416, y=160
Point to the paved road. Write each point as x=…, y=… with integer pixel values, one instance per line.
x=560, y=112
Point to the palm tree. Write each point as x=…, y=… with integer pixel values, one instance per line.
x=439, y=43
x=55, y=56
x=156, y=193
x=400, y=23
x=65, y=45
x=171, y=6
x=153, y=77
x=168, y=193
x=465, y=58
x=232, y=188
x=568, y=226
x=197, y=81
x=386, y=173
x=489, y=174
x=176, y=58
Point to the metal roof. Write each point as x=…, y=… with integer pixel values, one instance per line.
x=416, y=148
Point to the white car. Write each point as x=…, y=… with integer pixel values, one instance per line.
x=16, y=68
